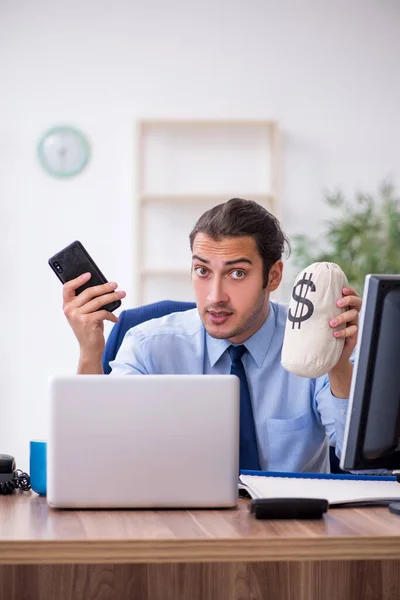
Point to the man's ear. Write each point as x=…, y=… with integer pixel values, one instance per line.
x=275, y=276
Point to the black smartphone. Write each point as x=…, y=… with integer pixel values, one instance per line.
x=74, y=260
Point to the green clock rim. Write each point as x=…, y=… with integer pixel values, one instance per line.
x=63, y=129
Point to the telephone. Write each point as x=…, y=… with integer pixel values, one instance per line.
x=12, y=478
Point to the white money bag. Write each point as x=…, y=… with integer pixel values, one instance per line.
x=309, y=346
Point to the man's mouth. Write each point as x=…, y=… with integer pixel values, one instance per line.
x=219, y=316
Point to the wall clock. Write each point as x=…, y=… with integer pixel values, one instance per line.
x=63, y=151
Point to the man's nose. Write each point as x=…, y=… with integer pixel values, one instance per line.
x=216, y=292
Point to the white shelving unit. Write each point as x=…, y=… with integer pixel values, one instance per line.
x=185, y=167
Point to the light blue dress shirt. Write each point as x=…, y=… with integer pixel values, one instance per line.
x=296, y=418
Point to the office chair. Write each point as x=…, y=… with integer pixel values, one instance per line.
x=134, y=316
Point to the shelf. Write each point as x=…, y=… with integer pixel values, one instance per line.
x=178, y=158
x=207, y=122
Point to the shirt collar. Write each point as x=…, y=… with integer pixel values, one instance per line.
x=257, y=345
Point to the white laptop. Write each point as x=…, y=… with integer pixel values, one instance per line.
x=143, y=441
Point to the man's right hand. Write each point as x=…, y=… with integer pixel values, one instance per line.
x=86, y=317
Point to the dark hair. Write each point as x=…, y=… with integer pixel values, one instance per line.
x=239, y=217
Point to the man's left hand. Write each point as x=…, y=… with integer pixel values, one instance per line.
x=340, y=375
x=351, y=301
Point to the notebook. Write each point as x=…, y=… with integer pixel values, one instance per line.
x=339, y=490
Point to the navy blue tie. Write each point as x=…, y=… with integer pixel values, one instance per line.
x=248, y=453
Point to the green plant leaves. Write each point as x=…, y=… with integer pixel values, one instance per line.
x=362, y=237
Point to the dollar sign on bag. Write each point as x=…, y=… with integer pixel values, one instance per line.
x=302, y=301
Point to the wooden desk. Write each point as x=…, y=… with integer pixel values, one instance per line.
x=194, y=555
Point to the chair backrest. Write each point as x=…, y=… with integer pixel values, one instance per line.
x=134, y=316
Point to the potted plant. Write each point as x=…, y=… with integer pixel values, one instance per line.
x=362, y=236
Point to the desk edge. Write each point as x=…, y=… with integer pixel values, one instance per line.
x=197, y=551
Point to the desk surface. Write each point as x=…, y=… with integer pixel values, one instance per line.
x=32, y=533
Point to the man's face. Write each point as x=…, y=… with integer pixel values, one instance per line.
x=227, y=278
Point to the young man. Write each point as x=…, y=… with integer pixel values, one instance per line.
x=287, y=422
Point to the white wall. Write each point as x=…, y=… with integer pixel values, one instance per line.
x=327, y=71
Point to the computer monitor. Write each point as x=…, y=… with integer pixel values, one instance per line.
x=372, y=431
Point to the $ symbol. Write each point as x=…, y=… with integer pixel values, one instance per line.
x=302, y=302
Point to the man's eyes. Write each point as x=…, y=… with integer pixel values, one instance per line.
x=201, y=271
x=236, y=274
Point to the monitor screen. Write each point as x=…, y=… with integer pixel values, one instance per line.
x=372, y=431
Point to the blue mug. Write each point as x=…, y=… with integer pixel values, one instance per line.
x=37, y=468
